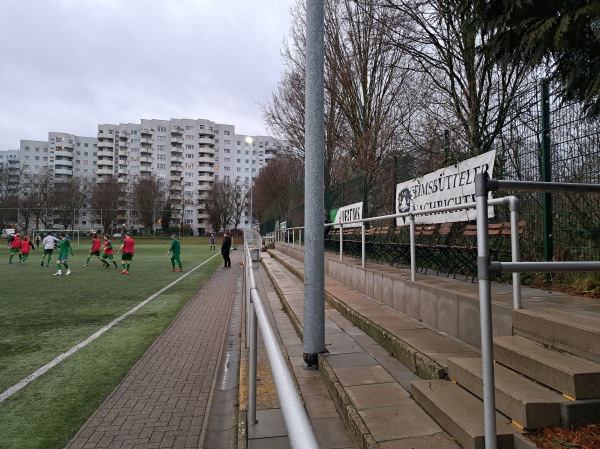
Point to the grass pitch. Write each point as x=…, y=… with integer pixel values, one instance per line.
x=43, y=316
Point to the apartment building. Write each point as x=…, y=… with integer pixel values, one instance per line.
x=187, y=154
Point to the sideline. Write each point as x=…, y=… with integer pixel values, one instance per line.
x=23, y=383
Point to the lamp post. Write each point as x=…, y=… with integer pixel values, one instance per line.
x=249, y=140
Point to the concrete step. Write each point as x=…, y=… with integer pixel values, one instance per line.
x=573, y=331
x=569, y=375
x=528, y=404
x=460, y=413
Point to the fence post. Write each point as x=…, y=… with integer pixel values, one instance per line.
x=546, y=170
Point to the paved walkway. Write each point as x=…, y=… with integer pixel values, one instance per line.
x=164, y=400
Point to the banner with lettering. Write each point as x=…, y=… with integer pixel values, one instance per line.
x=348, y=213
x=449, y=186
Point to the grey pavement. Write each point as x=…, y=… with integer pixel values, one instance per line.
x=164, y=401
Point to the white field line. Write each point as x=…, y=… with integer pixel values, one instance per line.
x=12, y=390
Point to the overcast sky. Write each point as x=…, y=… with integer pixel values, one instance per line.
x=69, y=65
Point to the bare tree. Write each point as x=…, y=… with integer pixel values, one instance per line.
x=148, y=199
x=69, y=198
x=471, y=91
x=284, y=114
x=367, y=81
x=9, y=189
x=217, y=201
x=108, y=201
x=282, y=179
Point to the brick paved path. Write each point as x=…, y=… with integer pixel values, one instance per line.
x=163, y=400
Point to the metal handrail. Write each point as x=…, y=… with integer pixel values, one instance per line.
x=511, y=201
x=298, y=425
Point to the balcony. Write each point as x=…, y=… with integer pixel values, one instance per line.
x=146, y=151
x=104, y=171
x=205, y=178
x=206, y=160
x=176, y=169
x=105, y=144
x=123, y=152
x=206, y=132
x=105, y=152
x=67, y=154
x=176, y=151
x=62, y=145
x=206, y=141
x=145, y=169
x=146, y=131
x=146, y=141
x=177, y=131
x=175, y=178
x=63, y=171
x=123, y=134
x=105, y=163
x=145, y=160
x=176, y=159
x=63, y=163
x=176, y=196
x=177, y=140
x=123, y=171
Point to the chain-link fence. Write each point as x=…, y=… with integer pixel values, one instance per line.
x=544, y=139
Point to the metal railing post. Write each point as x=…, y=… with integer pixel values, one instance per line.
x=252, y=361
x=485, y=311
x=363, y=244
x=341, y=242
x=515, y=250
x=413, y=252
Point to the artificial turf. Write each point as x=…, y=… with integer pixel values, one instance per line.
x=42, y=316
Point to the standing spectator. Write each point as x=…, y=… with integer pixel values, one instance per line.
x=128, y=248
x=176, y=251
x=212, y=242
x=108, y=253
x=15, y=247
x=64, y=248
x=26, y=247
x=94, y=250
x=49, y=243
x=225, y=248
x=38, y=240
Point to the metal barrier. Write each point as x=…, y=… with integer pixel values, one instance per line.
x=483, y=186
x=511, y=201
x=298, y=425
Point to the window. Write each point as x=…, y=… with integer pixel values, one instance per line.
x=189, y=146
x=189, y=174
x=227, y=142
x=227, y=133
x=134, y=132
x=227, y=159
x=189, y=184
x=85, y=145
x=227, y=150
x=161, y=147
x=85, y=153
x=239, y=169
x=134, y=141
x=189, y=165
x=189, y=127
x=161, y=157
x=161, y=138
x=239, y=142
x=189, y=137
x=161, y=166
x=85, y=162
x=162, y=129
x=189, y=156
x=216, y=140
x=227, y=169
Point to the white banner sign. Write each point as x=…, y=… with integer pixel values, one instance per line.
x=450, y=186
x=349, y=213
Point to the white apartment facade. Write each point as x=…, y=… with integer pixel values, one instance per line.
x=187, y=154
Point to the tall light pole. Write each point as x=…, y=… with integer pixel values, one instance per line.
x=249, y=140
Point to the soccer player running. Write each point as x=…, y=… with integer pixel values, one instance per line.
x=108, y=253
x=176, y=250
x=94, y=250
x=26, y=247
x=49, y=243
x=15, y=247
x=128, y=248
x=64, y=248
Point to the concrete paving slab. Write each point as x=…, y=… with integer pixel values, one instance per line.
x=366, y=375
x=398, y=422
x=357, y=360
x=438, y=441
x=379, y=395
